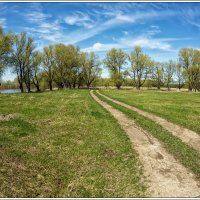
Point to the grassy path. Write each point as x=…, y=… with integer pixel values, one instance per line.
x=186, y=135
x=185, y=154
x=167, y=177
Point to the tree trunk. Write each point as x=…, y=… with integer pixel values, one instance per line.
x=21, y=87
x=158, y=86
x=29, y=88
x=118, y=86
x=50, y=85
x=38, y=88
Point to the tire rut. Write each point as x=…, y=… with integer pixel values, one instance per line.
x=189, y=137
x=167, y=177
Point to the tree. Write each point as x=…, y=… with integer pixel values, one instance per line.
x=186, y=61
x=179, y=75
x=60, y=66
x=35, y=69
x=91, y=69
x=195, y=77
x=195, y=70
x=115, y=61
x=21, y=59
x=67, y=65
x=190, y=61
x=169, y=69
x=140, y=66
x=6, y=41
x=157, y=74
x=48, y=63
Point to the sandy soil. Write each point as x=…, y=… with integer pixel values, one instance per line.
x=186, y=135
x=6, y=117
x=167, y=178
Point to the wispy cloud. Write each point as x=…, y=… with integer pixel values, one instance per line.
x=79, y=19
x=144, y=40
x=44, y=27
x=3, y=22
x=116, y=21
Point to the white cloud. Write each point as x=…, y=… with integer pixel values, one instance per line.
x=118, y=20
x=79, y=19
x=163, y=44
x=3, y=22
x=97, y=47
x=43, y=26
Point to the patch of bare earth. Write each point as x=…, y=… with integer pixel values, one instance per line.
x=167, y=177
x=186, y=135
x=8, y=117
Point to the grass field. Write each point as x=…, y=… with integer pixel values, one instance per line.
x=64, y=144
x=180, y=108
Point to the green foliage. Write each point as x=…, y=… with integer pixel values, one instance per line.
x=115, y=61
x=22, y=58
x=48, y=63
x=169, y=70
x=157, y=73
x=91, y=69
x=5, y=49
x=190, y=62
x=140, y=66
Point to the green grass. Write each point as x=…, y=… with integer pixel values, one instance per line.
x=182, y=108
x=185, y=154
x=64, y=144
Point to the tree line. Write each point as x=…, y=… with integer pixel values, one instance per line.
x=68, y=67
x=186, y=71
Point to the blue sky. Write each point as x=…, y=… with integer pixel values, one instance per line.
x=161, y=29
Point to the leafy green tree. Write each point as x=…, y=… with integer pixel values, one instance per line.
x=186, y=61
x=6, y=41
x=67, y=65
x=91, y=69
x=190, y=61
x=115, y=61
x=140, y=66
x=169, y=70
x=36, y=69
x=157, y=73
x=60, y=65
x=21, y=59
x=48, y=63
x=180, y=76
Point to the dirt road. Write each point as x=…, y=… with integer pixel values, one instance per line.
x=167, y=177
x=186, y=135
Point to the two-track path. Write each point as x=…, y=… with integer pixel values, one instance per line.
x=189, y=137
x=167, y=178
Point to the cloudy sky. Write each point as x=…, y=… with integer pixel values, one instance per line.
x=160, y=28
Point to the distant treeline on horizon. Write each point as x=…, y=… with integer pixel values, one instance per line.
x=66, y=66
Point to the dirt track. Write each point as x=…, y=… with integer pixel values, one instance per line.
x=167, y=178
x=186, y=135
